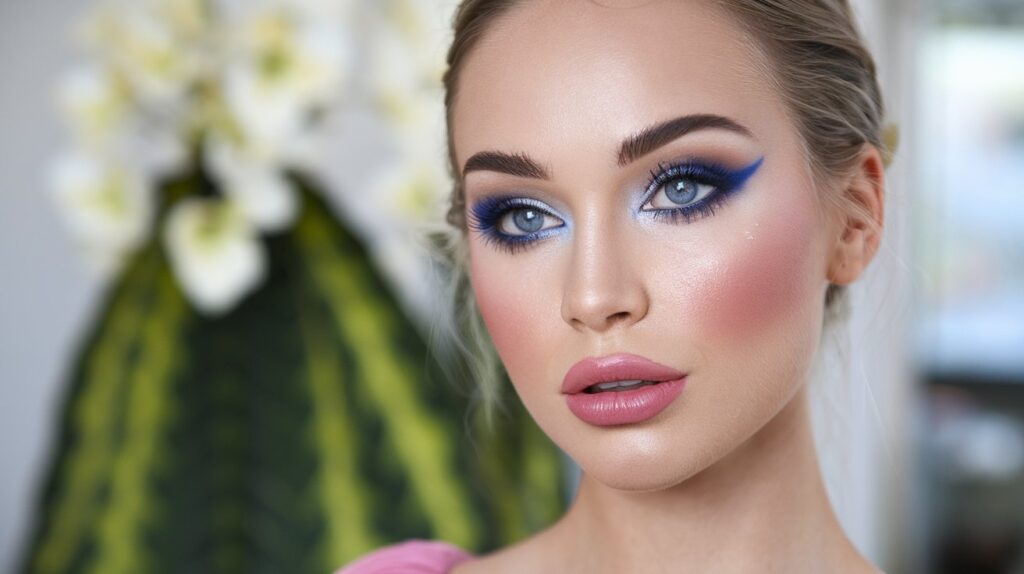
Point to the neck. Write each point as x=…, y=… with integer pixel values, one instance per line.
x=762, y=508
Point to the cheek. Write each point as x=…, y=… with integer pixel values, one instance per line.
x=770, y=278
x=759, y=279
x=498, y=307
x=513, y=310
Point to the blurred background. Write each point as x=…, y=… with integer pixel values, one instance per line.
x=920, y=398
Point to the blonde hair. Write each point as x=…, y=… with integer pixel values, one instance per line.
x=818, y=62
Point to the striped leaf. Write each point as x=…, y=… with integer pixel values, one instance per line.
x=302, y=429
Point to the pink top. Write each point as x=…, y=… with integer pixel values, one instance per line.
x=409, y=557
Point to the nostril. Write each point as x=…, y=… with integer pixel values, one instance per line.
x=617, y=317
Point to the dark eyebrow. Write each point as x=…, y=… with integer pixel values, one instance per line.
x=633, y=148
x=518, y=164
x=653, y=137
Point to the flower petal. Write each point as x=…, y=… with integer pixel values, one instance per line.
x=259, y=187
x=215, y=253
x=108, y=205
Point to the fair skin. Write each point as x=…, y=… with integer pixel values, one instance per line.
x=726, y=478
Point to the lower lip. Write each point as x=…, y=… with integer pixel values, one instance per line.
x=624, y=407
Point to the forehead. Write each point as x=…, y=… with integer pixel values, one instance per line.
x=557, y=75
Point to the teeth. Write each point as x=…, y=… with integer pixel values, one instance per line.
x=624, y=385
x=615, y=384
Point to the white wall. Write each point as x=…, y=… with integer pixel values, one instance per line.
x=866, y=389
x=46, y=292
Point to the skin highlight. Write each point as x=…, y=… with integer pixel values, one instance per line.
x=726, y=478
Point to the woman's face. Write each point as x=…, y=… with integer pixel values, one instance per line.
x=702, y=247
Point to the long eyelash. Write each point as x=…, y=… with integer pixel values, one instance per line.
x=725, y=180
x=691, y=213
x=488, y=211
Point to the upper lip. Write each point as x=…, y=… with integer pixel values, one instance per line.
x=619, y=367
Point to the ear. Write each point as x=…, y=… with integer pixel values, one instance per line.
x=859, y=232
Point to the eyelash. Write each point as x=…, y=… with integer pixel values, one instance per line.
x=487, y=214
x=724, y=180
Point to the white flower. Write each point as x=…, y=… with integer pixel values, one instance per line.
x=142, y=46
x=417, y=183
x=107, y=121
x=417, y=188
x=425, y=26
x=188, y=19
x=254, y=181
x=268, y=116
x=108, y=205
x=338, y=10
x=283, y=66
x=408, y=203
x=214, y=251
x=396, y=74
x=158, y=149
x=410, y=198
x=95, y=102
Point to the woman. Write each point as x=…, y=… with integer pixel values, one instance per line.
x=661, y=202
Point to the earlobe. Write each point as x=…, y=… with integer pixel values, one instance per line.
x=861, y=219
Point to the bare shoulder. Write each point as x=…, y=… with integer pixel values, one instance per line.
x=507, y=561
x=528, y=555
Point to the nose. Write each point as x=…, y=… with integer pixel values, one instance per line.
x=603, y=286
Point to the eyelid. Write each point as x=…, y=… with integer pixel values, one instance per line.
x=492, y=207
x=724, y=178
x=486, y=215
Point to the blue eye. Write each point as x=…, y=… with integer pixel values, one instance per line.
x=679, y=192
x=525, y=220
x=513, y=223
x=691, y=190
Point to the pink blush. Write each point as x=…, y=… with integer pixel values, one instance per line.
x=757, y=280
x=513, y=312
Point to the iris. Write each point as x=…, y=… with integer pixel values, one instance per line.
x=682, y=191
x=528, y=220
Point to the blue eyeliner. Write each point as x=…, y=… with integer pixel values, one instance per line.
x=487, y=213
x=725, y=181
x=719, y=181
x=722, y=177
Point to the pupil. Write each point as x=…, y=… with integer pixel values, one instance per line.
x=681, y=191
x=528, y=220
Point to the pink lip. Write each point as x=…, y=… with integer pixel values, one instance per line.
x=620, y=407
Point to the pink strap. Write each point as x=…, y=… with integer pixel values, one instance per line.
x=409, y=557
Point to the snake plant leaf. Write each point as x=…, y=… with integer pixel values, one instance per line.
x=305, y=427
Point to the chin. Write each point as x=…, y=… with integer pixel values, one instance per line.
x=640, y=464
x=635, y=482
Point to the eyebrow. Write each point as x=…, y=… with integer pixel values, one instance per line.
x=634, y=147
x=654, y=137
x=518, y=164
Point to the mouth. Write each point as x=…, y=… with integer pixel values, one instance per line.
x=620, y=389
x=616, y=373
x=617, y=386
